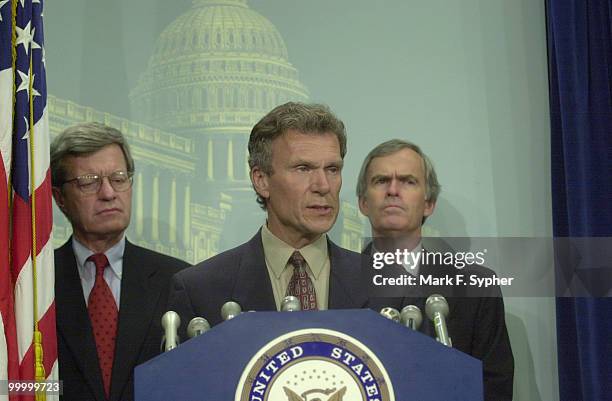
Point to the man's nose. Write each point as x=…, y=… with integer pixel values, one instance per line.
x=320, y=181
x=393, y=187
x=106, y=190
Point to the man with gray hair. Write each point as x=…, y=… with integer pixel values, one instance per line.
x=397, y=190
x=296, y=155
x=110, y=294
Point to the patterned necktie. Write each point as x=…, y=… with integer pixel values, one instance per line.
x=300, y=285
x=103, y=316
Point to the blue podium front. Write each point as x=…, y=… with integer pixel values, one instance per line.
x=350, y=355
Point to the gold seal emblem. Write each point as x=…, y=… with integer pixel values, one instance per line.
x=314, y=365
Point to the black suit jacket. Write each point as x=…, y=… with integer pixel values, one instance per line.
x=477, y=326
x=240, y=275
x=476, y=323
x=144, y=290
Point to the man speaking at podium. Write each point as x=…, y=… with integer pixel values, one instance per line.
x=109, y=293
x=295, y=157
x=397, y=190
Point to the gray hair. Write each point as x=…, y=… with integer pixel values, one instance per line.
x=85, y=139
x=432, y=187
x=304, y=118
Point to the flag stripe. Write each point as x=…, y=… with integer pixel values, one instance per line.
x=21, y=239
x=42, y=158
x=23, y=305
x=47, y=326
x=27, y=289
x=23, y=291
x=44, y=212
x=22, y=223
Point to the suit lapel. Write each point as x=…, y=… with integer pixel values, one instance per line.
x=345, y=288
x=253, y=289
x=73, y=320
x=139, y=298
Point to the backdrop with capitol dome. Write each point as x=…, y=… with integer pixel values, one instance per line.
x=186, y=80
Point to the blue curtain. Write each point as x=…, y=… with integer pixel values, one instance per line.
x=580, y=70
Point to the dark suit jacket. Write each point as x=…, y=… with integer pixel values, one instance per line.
x=476, y=324
x=240, y=275
x=144, y=291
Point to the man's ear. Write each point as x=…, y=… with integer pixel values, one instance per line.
x=260, y=182
x=363, y=206
x=59, y=197
x=429, y=208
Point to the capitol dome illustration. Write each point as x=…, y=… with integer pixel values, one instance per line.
x=215, y=71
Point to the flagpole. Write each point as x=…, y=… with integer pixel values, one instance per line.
x=39, y=368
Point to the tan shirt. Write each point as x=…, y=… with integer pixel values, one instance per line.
x=277, y=254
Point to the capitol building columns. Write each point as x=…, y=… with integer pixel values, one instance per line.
x=155, y=208
x=230, y=160
x=165, y=198
x=172, y=214
x=139, y=212
x=210, y=161
x=187, y=216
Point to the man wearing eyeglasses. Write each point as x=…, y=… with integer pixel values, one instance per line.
x=110, y=294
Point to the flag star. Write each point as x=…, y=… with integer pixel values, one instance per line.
x=34, y=44
x=25, y=82
x=2, y=3
x=34, y=91
x=24, y=37
x=22, y=3
x=35, y=1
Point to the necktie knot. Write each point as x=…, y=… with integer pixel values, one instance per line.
x=297, y=260
x=100, y=260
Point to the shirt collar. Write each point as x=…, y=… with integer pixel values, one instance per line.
x=278, y=252
x=114, y=255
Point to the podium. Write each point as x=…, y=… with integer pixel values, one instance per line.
x=336, y=355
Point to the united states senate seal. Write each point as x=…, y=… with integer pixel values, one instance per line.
x=314, y=365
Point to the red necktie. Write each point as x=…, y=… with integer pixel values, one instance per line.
x=103, y=315
x=300, y=285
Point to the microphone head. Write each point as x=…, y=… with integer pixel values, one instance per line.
x=390, y=313
x=434, y=304
x=290, y=304
x=197, y=326
x=230, y=310
x=411, y=313
x=170, y=319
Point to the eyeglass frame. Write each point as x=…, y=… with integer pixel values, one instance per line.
x=100, y=178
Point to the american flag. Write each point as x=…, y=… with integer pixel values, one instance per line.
x=28, y=349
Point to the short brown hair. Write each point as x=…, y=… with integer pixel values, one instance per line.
x=302, y=117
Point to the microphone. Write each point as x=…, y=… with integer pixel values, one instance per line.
x=411, y=317
x=290, y=304
x=197, y=326
x=170, y=321
x=230, y=310
x=390, y=313
x=436, y=309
